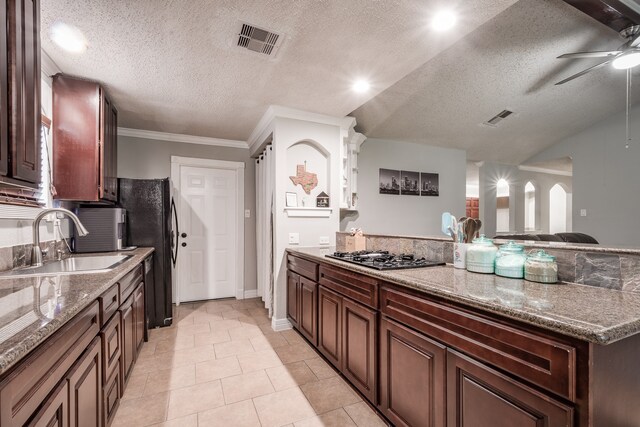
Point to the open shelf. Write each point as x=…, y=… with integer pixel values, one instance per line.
x=310, y=212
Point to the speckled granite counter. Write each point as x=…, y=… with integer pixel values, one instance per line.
x=590, y=313
x=33, y=308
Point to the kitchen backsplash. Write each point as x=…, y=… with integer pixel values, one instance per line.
x=596, y=266
x=20, y=255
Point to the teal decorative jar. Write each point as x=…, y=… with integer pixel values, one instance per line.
x=541, y=267
x=510, y=260
x=481, y=255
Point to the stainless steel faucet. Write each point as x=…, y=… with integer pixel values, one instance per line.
x=36, y=253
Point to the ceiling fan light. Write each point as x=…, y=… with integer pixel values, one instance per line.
x=626, y=60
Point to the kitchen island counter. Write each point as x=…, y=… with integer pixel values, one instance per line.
x=33, y=308
x=596, y=315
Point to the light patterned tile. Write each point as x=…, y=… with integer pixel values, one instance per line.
x=241, y=414
x=186, y=357
x=142, y=411
x=198, y=328
x=135, y=387
x=244, y=332
x=336, y=418
x=246, y=386
x=233, y=348
x=329, y=394
x=178, y=343
x=213, y=337
x=295, y=352
x=282, y=407
x=270, y=341
x=169, y=379
x=291, y=375
x=225, y=325
x=321, y=368
x=216, y=369
x=258, y=360
x=364, y=416
x=188, y=421
x=293, y=337
x=194, y=399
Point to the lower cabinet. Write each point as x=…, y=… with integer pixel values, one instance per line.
x=412, y=377
x=85, y=388
x=308, y=309
x=128, y=341
x=293, y=291
x=479, y=396
x=330, y=326
x=139, y=316
x=359, y=345
x=55, y=411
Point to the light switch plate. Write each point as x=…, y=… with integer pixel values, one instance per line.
x=247, y=213
x=294, y=238
x=324, y=240
x=583, y=212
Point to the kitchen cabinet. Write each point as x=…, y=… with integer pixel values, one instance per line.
x=20, y=116
x=412, y=377
x=128, y=340
x=480, y=396
x=85, y=122
x=308, y=309
x=330, y=326
x=55, y=411
x=293, y=289
x=139, y=316
x=85, y=388
x=359, y=347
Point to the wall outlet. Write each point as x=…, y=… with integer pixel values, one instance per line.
x=324, y=240
x=294, y=238
x=247, y=213
x=583, y=212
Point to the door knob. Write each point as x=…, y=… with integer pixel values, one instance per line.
x=183, y=235
x=184, y=244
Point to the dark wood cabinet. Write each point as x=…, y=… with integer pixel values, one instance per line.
x=330, y=326
x=85, y=388
x=111, y=398
x=20, y=116
x=139, y=317
x=128, y=341
x=308, y=309
x=412, y=377
x=480, y=396
x=359, y=347
x=85, y=133
x=55, y=410
x=293, y=289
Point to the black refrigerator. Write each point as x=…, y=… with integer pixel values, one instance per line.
x=150, y=216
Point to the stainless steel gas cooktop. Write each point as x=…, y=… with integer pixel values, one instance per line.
x=383, y=260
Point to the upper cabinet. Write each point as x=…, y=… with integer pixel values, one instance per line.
x=20, y=120
x=85, y=123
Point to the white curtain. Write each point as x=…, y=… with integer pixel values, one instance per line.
x=264, y=225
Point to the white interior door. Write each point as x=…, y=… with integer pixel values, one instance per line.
x=208, y=209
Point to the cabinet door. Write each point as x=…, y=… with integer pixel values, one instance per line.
x=55, y=410
x=128, y=341
x=139, y=316
x=293, y=281
x=111, y=398
x=112, y=177
x=330, y=326
x=85, y=388
x=308, y=313
x=478, y=396
x=412, y=377
x=359, y=344
x=108, y=132
x=111, y=336
x=24, y=48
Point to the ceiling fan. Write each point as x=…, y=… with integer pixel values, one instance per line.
x=626, y=57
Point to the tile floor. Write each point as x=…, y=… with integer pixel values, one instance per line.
x=221, y=364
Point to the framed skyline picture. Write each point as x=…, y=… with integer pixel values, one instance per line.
x=389, y=181
x=429, y=184
x=410, y=183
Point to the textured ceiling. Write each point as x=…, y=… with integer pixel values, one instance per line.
x=171, y=65
x=508, y=63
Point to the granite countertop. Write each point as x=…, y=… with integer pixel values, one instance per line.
x=597, y=315
x=59, y=298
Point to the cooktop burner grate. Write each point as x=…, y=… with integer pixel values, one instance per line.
x=383, y=260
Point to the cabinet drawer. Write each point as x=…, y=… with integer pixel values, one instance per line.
x=109, y=303
x=537, y=359
x=356, y=286
x=129, y=282
x=111, y=398
x=303, y=267
x=111, y=337
x=27, y=386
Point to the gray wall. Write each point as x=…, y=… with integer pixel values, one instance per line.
x=406, y=215
x=144, y=158
x=489, y=175
x=606, y=178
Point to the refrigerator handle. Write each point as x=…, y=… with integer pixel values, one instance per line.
x=174, y=235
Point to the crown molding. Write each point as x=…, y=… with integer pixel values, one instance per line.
x=48, y=66
x=544, y=170
x=265, y=125
x=177, y=137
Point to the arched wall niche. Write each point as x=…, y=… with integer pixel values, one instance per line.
x=311, y=157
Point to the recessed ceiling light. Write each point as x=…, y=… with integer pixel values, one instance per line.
x=68, y=37
x=627, y=60
x=443, y=20
x=361, y=86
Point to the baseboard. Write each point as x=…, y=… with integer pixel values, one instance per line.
x=280, y=324
x=251, y=294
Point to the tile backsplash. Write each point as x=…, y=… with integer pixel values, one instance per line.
x=20, y=255
x=593, y=266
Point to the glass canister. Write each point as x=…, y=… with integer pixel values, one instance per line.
x=510, y=260
x=541, y=267
x=481, y=255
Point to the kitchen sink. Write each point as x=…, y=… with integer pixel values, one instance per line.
x=73, y=265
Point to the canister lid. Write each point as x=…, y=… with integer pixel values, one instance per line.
x=541, y=256
x=512, y=246
x=482, y=241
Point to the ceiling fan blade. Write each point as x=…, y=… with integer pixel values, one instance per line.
x=598, y=54
x=583, y=72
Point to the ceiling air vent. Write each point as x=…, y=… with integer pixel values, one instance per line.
x=498, y=118
x=257, y=39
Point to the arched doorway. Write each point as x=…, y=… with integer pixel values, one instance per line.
x=502, y=206
x=557, y=209
x=529, y=207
